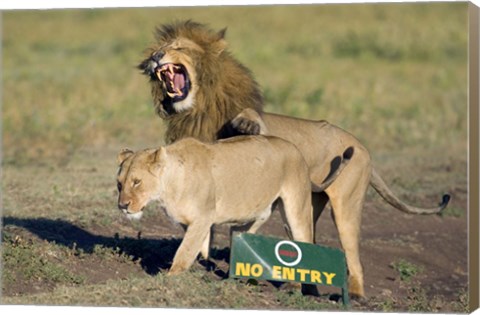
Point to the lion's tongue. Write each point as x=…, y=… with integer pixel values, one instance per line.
x=179, y=81
x=175, y=85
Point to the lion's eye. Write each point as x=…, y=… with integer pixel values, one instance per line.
x=119, y=186
x=157, y=56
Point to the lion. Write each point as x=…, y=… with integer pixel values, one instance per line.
x=224, y=100
x=199, y=185
x=197, y=85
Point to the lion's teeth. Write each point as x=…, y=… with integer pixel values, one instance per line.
x=179, y=92
x=172, y=95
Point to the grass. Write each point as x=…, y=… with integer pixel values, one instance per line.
x=173, y=292
x=395, y=75
x=417, y=297
x=79, y=88
x=406, y=269
x=36, y=263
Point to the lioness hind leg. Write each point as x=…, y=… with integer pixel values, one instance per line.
x=190, y=247
x=319, y=203
x=347, y=196
x=349, y=233
x=298, y=212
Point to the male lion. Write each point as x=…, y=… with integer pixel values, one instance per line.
x=197, y=86
x=201, y=91
x=200, y=185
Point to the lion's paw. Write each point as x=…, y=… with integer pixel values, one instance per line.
x=246, y=126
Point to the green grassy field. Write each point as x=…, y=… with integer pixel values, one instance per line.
x=394, y=75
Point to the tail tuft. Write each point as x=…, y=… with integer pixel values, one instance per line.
x=445, y=200
x=348, y=153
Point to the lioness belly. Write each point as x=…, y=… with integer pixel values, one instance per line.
x=242, y=215
x=253, y=183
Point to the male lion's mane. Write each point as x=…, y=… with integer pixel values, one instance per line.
x=225, y=86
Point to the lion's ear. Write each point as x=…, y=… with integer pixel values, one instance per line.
x=221, y=33
x=221, y=43
x=123, y=155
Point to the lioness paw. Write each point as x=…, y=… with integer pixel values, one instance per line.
x=174, y=271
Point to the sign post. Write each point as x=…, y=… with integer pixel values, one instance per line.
x=266, y=258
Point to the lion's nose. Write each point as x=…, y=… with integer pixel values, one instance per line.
x=123, y=206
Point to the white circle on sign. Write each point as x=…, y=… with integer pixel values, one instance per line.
x=289, y=264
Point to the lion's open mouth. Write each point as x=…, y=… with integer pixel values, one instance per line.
x=176, y=80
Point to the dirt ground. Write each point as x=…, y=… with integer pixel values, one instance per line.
x=435, y=245
x=438, y=245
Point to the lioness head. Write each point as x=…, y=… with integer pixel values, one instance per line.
x=172, y=63
x=138, y=180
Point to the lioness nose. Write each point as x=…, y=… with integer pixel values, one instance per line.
x=123, y=206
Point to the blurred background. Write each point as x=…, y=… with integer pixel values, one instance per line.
x=395, y=75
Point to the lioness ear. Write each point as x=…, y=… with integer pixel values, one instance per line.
x=123, y=155
x=159, y=155
x=158, y=158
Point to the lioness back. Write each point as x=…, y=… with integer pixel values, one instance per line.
x=264, y=146
x=259, y=151
x=253, y=171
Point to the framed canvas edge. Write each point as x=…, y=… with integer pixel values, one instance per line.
x=473, y=172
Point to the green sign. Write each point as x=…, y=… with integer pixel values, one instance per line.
x=266, y=258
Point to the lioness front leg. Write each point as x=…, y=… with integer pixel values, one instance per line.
x=190, y=247
x=205, y=251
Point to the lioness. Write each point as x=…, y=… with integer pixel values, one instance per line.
x=234, y=181
x=201, y=91
x=319, y=141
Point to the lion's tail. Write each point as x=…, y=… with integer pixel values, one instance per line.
x=379, y=185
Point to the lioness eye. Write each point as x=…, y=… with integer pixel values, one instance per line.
x=119, y=186
x=136, y=182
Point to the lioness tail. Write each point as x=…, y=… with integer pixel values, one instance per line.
x=379, y=185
